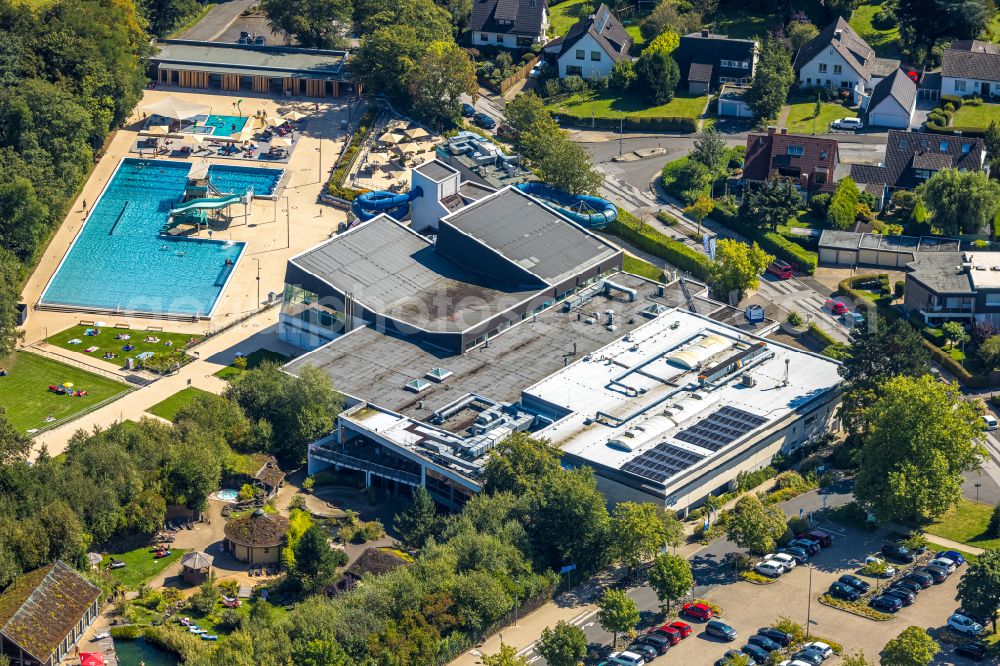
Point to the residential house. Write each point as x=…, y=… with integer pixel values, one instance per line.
x=44, y=613
x=893, y=101
x=911, y=158
x=954, y=286
x=839, y=58
x=707, y=61
x=592, y=46
x=513, y=24
x=971, y=67
x=810, y=162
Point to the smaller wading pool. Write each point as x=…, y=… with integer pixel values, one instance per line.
x=228, y=495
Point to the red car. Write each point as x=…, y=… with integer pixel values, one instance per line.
x=667, y=632
x=836, y=307
x=682, y=628
x=780, y=269
x=698, y=611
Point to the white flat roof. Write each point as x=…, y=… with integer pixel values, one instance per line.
x=985, y=271
x=636, y=394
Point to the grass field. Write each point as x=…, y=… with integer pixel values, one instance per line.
x=25, y=394
x=140, y=565
x=884, y=42
x=800, y=117
x=976, y=116
x=641, y=267
x=967, y=524
x=743, y=24
x=254, y=359
x=563, y=15
x=167, y=409
x=105, y=341
x=610, y=104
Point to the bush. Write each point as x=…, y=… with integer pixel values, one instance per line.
x=903, y=202
x=855, y=607
x=819, y=204
x=644, y=237
x=756, y=578
x=794, y=319
x=899, y=288
x=782, y=248
x=666, y=218
x=128, y=632
x=954, y=100
x=573, y=83
x=750, y=480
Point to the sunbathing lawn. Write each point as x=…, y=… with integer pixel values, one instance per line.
x=167, y=409
x=140, y=565
x=743, y=24
x=976, y=116
x=609, y=104
x=885, y=42
x=800, y=117
x=637, y=266
x=565, y=14
x=254, y=359
x=966, y=523
x=105, y=341
x=25, y=394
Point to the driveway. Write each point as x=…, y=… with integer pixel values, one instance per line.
x=803, y=297
x=216, y=20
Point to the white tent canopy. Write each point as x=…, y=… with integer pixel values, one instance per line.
x=177, y=109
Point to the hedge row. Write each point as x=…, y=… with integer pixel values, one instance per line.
x=965, y=130
x=640, y=123
x=821, y=336
x=862, y=300
x=954, y=367
x=630, y=229
x=793, y=253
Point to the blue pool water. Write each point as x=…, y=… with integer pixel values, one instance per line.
x=229, y=495
x=119, y=261
x=238, y=179
x=226, y=125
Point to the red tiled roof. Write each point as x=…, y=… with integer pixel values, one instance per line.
x=770, y=155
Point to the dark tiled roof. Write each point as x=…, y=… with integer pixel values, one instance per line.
x=270, y=473
x=849, y=45
x=869, y=173
x=972, y=59
x=932, y=161
x=897, y=86
x=767, y=153
x=907, y=150
x=197, y=560
x=520, y=17
x=882, y=67
x=712, y=49
x=41, y=608
x=940, y=272
x=700, y=72
x=606, y=30
x=258, y=528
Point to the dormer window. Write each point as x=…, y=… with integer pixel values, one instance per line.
x=822, y=154
x=795, y=151
x=943, y=146
x=966, y=147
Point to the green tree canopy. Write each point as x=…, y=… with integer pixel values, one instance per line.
x=315, y=560
x=419, y=521
x=617, y=613
x=773, y=203
x=656, y=75
x=710, y=149
x=979, y=588
x=737, y=267
x=641, y=531
x=772, y=79
x=519, y=463
x=913, y=647
x=961, y=202
x=443, y=73
x=507, y=656
x=317, y=24
x=566, y=645
x=843, y=205
x=923, y=24
x=753, y=526
x=671, y=578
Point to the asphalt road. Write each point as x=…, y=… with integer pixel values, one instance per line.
x=217, y=20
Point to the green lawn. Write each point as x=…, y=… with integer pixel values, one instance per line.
x=167, y=409
x=744, y=24
x=884, y=42
x=641, y=267
x=140, y=565
x=976, y=116
x=636, y=35
x=565, y=14
x=611, y=104
x=254, y=359
x=966, y=523
x=25, y=394
x=800, y=117
x=106, y=341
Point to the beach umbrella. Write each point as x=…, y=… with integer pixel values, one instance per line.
x=240, y=136
x=280, y=141
x=91, y=659
x=390, y=138
x=177, y=109
x=100, y=324
x=416, y=133
x=294, y=115
x=192, y=140
x=274, y=120
x=158, y=130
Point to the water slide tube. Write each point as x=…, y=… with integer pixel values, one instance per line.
x=369, y=204
x=586, y=210
x=212, y=203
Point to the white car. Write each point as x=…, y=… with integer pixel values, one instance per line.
x=626, y=658
x=536, y=71
x=794, y=662
x=890, y=570
x=770, y=568
x=965, y=625
x=944, y=563
x=820, y=648
x=847, y=124
x=784, y=559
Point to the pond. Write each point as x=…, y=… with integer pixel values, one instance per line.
x=133, y=653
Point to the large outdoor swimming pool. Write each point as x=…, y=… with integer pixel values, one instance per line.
x=239, y=179
x=120, y=262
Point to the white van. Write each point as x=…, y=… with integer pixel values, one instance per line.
x=626, y=658
x=990, y=421
x=770, y=568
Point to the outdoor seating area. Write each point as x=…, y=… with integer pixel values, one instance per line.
x=387, y=158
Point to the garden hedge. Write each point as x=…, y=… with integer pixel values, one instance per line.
x=685, y=124
x=783, y=248
x=630, y=229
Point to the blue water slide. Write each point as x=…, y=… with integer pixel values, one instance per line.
x=369, y=204
x=586, y=210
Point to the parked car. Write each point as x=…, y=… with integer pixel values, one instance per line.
x=836, y=307
x=889, y=572
x=908, y=585
x=729, y=657
x=259, y=40
x=484, y=121
x=925, y=580
x=626, y=658
x=854, y=319
x=840, y=590
x=964, y=625
x=698, y=611
x=764, y=643
x=780, y=269
x=855, y=582
x=536, y=71
x=776, y=635
x=824, y=539
x=974, y=650
x=810, y=658
x=756, y=654
x=770, y=568
x=801, y=555
x=952, y=555
x=901, y=593
x=820, y=648
x=659, y=643
x=886, y=603
x=468, y=110
x=944, y=563
x=808, y=545
x=794, y=662
x=682, y=627
x=898, y=552
x=847, y=124
x=989, y=421
x=784, y=559
x=720, y=630
x=939, y=574
x=667, y=632
x=647, y=652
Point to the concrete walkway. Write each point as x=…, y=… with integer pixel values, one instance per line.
x=948, y=544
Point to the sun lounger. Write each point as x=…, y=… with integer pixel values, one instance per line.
x=74, y=341
x=91, y=350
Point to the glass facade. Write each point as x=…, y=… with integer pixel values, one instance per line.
x=306, y=321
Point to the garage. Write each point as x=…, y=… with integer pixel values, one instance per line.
x=839, y=248
x=893, y=102
x=731, y=104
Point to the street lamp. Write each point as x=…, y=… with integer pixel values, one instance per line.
x=809, y=601
x=978, y=486
x=258, y=281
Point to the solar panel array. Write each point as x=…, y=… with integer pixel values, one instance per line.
x=662, y=462
x=721, y=428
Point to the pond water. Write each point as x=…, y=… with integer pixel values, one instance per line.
x=133, y=653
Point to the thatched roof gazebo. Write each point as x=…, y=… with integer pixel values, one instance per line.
x=196, y=567
x=257, y=537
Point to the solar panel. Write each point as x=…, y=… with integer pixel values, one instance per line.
x=721, y=428
x=661, y=462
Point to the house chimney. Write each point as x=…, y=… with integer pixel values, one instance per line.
x=837, y=34
x=705, y=32
x=771, y=129
x=784, y=130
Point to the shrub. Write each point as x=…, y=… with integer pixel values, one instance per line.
x=904, y=201
x=793, y=253
x=819, y=204
x=899, y=288
x=756, y=578
x=127, y=632
x=666, y=218
x=573, y=83
x=954, y=100
x=855, y=607
x=794, y=318
x=308, y=483
x=628, y=227
x=622, y=75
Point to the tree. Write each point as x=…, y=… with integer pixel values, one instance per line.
x=622, y=74
x=317, y=24
x=419, y=521
x=700, y=209
x=913, y=647
x=738, y=659
x=205, y=598
x=667, y=17
x=443, y=73
x=569, y=520
x=773, y=203
x=194, y=472
x=800, y=33
x=640, y=532
x=772, y=80
x=527, y=113
x=11, y=273
x=753, y=526
x=737, y=267
x=921, y=438
x=430, y=21
x=979, y=588
x=519, y=464
x=13, y=445
x=671, y=578
x=992, y=141
x=954, y=332
x=993, y=527
x=961, y=201
x=989, y=352
x=566, y=166
x=566, y=645
x=856, y=659
x=315, y=560
x=691, y=180
x=710, y=149
x=617, y=613
x=843, y=204
x=507, y=656
x=925, y=23
x=657, y=75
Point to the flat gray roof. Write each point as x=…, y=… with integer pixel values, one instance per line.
x=436, y=170
x=941, y=272
x=249, y=60
x=531, y=235
x=841, y=240
x=396, y=272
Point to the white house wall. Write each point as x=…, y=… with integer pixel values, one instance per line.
x=949, y=86
x=590, y=69
x=810, y=74
x=889, y=113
